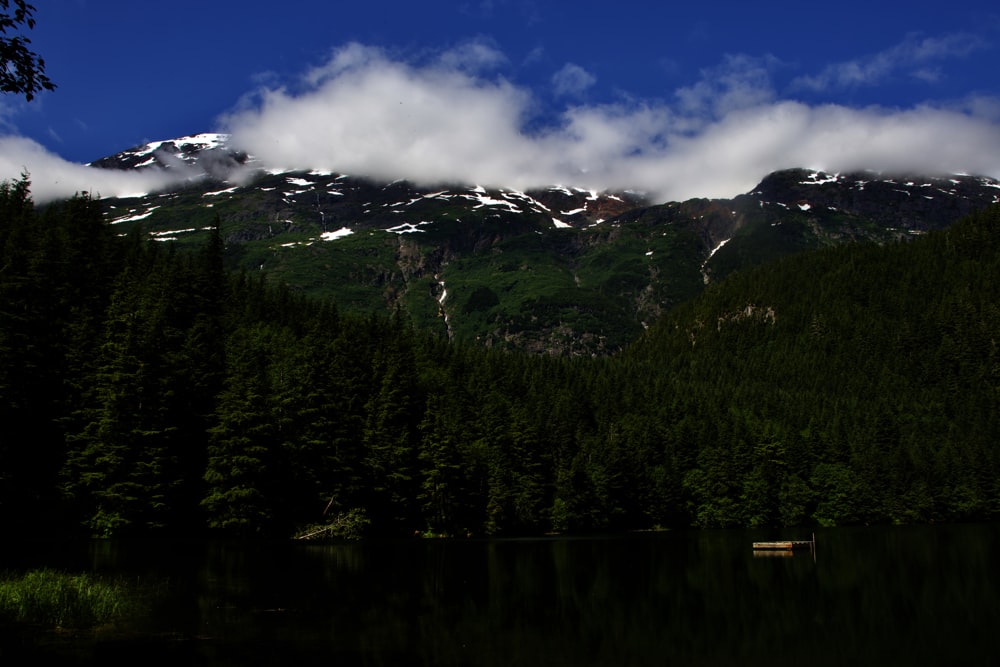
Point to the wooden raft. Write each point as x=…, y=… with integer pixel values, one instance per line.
x=786, y=545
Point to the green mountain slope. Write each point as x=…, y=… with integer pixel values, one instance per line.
x=558, y=271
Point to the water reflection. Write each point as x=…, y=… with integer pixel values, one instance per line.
x=924, y=595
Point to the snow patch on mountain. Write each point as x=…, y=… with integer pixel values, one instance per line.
x=132, y=216
x=219, y=193
x=339, y=234
x=407, y=228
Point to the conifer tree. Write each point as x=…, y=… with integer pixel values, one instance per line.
x=121, y=463
x=241, y=472
x=393, y=414
x=443, y=496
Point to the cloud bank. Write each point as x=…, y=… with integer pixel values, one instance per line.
x=367, y=113
x=55, y=178
x=452, y=119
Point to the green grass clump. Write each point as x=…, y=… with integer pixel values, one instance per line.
x=63, y=600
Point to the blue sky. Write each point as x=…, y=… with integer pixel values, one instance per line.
x=701, y=99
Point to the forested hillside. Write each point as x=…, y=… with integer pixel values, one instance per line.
x=146, y=390
x=852, y=384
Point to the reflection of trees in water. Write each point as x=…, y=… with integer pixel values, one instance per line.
x=871, y=593
x=898, y=595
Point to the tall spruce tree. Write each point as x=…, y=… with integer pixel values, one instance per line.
x=242, y=465
x=393, y=414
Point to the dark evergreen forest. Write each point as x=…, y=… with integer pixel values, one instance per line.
x=144, y=390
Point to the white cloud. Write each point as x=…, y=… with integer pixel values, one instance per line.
x=53, y=177
x=472, y=56
x=911, y=56
x=572, y=80
x=740, y=81
x=370, y=114
x=8, y=109
x=445, y=121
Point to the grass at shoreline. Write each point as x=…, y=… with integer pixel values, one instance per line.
x=64, y=600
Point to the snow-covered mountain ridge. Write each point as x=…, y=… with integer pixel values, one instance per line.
x=167, y=152
x=207, y=164
x=207, y=158
x=556, y=269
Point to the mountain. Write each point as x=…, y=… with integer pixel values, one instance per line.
x=557, y=270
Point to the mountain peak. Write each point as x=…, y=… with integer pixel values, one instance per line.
x=165, y=153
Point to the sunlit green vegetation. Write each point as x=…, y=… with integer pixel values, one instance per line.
x=64, y=600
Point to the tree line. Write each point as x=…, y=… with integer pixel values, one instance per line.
x=145, y=390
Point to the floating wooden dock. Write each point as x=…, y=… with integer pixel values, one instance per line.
x=786, y=545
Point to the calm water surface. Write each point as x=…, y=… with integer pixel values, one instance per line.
x=900, y=595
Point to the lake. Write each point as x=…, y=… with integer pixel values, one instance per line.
x=882, y=595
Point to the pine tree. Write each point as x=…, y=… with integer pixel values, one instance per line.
x=443, y=494
x=115, y=461
x=242, y=468
x=54, y=271
x=393, y=414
